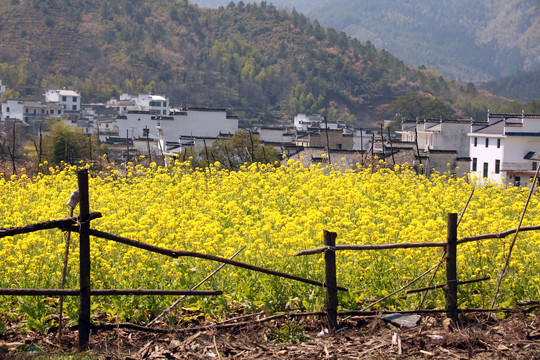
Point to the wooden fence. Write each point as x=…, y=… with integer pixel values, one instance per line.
x=81, y=224
x=450, y=247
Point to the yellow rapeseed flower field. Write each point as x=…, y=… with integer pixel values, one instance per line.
x=274, y=212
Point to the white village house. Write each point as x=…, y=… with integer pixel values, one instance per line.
x=70, y=100
x=12, y=109
x=506, y=148
x=440, y=134
x=311, y=130
x=173, y=133
x=440, y=142
x=2, y=89
x=156, y=104
x=191, y=122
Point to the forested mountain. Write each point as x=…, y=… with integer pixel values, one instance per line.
x=469, y=40
x=466, y=40
x=523, y=86
x=303, y=6
x=263, y=63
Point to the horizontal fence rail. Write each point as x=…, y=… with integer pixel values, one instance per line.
x=322, y=249
x=500, y=235
x=464, y=240
x=180, y=253
x=105, y=292
x=443, y=286
x=62, y=224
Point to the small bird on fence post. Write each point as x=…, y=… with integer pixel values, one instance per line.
x=74, y=199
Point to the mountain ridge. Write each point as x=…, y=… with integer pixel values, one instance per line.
x=261, y=62
x=466, y=40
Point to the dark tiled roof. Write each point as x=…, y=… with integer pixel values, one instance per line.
x=524, y=134
x=531, y=155
x=433, y=151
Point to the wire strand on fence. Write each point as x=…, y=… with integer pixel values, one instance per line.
x=178, y=301
x=507, y=262
x=466, y=206
x=424, y=295
x=403, y=287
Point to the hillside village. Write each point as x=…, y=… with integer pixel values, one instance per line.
x=504, y=148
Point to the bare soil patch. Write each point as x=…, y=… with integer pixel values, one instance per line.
x=480, y=336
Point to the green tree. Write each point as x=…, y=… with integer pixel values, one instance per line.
x=237, y=150
x=533, y=107
x=414, y=106
x=10, y=94
x=70, y=144
x=510, y=107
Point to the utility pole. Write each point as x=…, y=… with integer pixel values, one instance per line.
x=127, y=146
x=391, y=146
x=90, y=145
x=327, y=141
x=146, y=133
x=362, y=144
x=12, y=153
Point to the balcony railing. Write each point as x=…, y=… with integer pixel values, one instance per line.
x=517, y=166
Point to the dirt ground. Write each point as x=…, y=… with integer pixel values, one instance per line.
x=479, y=336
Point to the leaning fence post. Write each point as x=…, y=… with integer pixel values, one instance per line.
x=84, y=241
x=451, y=268
x=331, y=282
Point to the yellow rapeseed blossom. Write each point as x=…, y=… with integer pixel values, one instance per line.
x=274, y=212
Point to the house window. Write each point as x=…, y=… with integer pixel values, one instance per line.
x=59, y=112
x=487, y=142
x=498, y=143
x=164, y=104
x=74, y=107
x=474, y=164
x=475, y=141
x=7, y=109
x=517, y=181
x=497, y=166
x=26, y=111
x=74, y=99
x=64, y=99
x=534, y=165
x=486, y=167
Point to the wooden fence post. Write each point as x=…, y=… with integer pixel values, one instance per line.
x=451, y=268
x=331, y=282
x=84, y=258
